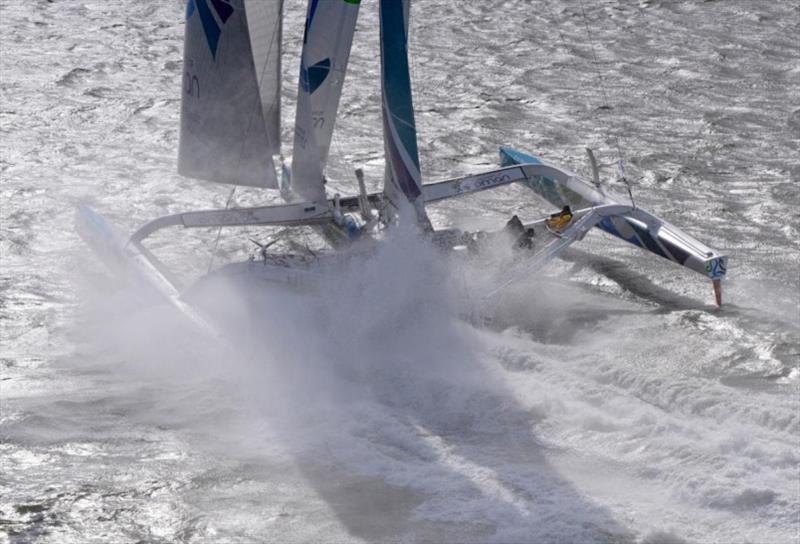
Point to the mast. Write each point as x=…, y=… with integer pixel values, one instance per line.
x=402, y=178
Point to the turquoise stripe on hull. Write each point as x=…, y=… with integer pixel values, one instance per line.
x=545, y=187
x=510, y=157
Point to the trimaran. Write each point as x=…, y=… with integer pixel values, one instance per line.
x=230, y=133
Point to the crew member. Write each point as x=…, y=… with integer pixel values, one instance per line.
x=523, y=238
x=352, y=226
x=560, y=220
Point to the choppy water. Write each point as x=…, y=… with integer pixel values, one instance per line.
x=608, y=402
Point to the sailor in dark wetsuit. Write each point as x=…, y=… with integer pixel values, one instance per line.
x=523, y=238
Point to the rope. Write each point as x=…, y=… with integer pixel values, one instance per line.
x=606, y=103
x=219, y=233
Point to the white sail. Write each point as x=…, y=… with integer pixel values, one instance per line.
x=403, y=181
x=224, y=137
x=307, y=179
x=265, y=23
x=330, y=25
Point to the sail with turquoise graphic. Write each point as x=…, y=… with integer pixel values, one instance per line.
x=224, y=135
x=327, y=39
x=402, y=178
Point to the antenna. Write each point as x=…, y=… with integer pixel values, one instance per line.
x=337, y=209
x=595, y=169
x=363, y=199
x=606, y=102
x=625, y=181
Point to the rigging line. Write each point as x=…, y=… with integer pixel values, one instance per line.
x=570, y=59
x=219, y=233
x=415, y=81
x=404, y=121
x=275, y=27
x=343, y=163
x=275, y=32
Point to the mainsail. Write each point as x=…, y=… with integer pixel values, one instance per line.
x=403, y=181
x=265, y=24
x=226, y=136
x=329, y=29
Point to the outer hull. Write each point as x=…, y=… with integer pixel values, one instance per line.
x=637, y=227
x=133, y=262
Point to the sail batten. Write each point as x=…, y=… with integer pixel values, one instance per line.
x=226, y=134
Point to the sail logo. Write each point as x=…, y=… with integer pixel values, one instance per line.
x=716, y=268
x=212, y=18
x=312, y=77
